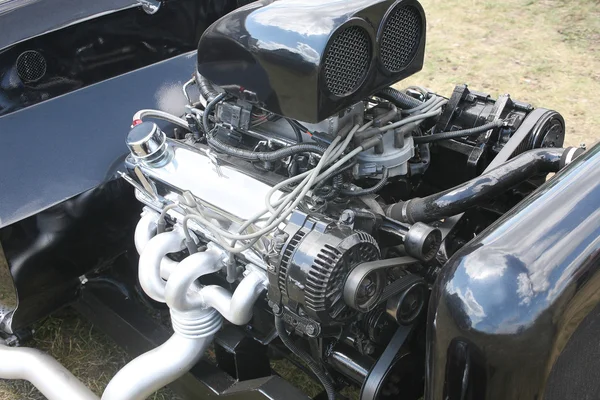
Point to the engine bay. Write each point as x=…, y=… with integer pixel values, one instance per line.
x=346, y=222
x=293, y=200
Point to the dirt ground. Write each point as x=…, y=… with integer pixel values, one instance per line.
x=543, y=52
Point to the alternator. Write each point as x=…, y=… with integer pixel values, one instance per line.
x=306, y=285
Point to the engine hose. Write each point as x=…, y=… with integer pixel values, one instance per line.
x=264, y=155
x=306, y=358
x=477, y=190
x=402, y=100
x=208, y=110
x=457, y=134
x=206, y=88
x=373, y=189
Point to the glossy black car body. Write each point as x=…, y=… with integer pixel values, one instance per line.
x=513, y=315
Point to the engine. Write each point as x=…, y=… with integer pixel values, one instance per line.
x=298, y=171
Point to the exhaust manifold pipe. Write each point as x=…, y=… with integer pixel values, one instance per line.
x=158, y=367
x=197, y=314
x=53, y=380
x=236, y=308
x=196, y=311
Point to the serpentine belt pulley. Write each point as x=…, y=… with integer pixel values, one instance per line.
x=365, y=285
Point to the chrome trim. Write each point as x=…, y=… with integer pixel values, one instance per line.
x=145, y=140
x=570, y=154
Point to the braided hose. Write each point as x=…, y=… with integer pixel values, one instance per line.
x=398, y=98
x=457, y=134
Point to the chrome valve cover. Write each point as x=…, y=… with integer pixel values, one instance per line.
x=193, y=178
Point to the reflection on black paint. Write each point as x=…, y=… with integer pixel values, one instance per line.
x=508, y=292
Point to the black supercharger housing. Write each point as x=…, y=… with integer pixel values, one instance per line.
x=309, y=59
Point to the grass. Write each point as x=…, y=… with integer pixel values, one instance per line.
x=544, y=52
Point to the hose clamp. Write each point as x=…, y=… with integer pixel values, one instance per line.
x=404, y=212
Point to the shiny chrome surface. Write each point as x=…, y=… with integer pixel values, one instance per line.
x=350, y=363
x=150, y=6
x=146, y=141
x=225, y=194
x=506, y=304
x=221, y=189
x=53, y=380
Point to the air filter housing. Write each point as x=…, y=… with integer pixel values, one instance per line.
x=309, y=59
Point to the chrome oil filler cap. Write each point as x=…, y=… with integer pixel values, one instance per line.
x=147, y=143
